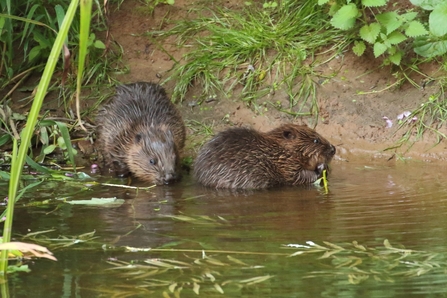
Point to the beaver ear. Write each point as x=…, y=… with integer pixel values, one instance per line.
x=137, y=138
x=289, y=135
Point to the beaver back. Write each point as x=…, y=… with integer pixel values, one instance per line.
x=244, y=158
x=140, y=131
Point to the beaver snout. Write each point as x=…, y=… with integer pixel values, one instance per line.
x=169, y=178
x=332, y=150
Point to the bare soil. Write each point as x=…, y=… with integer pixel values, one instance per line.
x=351, y=121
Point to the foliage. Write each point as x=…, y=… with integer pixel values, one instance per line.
x=27, y=32
x=31, y=26
x=430, y=116
x=151, y=4
x=388, y=32
x=358, y=263
x=260, y=49
x=20, y=153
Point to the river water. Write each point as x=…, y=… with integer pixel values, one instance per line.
x=380, y=232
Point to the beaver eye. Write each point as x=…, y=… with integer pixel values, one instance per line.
x=153, y=161
x=316, y=141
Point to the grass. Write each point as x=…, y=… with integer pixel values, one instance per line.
x=26, y=51
x=430, y=117
x=257, y=51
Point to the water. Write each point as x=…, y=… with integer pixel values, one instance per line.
x=236, y=242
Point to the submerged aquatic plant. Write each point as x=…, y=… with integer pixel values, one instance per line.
x=358, y=263
x=204, y=274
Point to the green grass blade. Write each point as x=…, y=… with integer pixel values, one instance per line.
x=86, y=14
x=19, y=158
x=66, y=136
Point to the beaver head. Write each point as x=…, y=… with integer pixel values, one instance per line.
x=306, y=146
x=153, y=156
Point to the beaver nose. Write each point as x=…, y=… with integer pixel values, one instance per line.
x=169, y=178
x=332, y=150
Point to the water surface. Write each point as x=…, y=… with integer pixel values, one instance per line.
x=238, y=244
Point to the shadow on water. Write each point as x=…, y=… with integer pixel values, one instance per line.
x=379, y=232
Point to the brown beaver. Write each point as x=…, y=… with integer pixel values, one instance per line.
x=140, y=131
x=244, y=158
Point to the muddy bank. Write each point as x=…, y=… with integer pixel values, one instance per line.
x=352, y=103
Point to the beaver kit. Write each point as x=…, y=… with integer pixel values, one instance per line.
x=141, y=132
x=247, y=159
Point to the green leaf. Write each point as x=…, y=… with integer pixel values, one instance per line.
x=98, y=201
x=44, y=139
x=379, y=49
x=415, y=29
x=345, y=17
x=34, y=53
x=5, y=139
x=437, y=20
x=99, y=44
x=374, y=3
x=370, y=32
x=409, y=16
x=396, y=58
x=321, y=2
x=390, y=20
x=396, y=37
x=61, y=143
x=359, y=48
x=66, y=137
x=49, y=149
x=36, y=166
x=426, y=4
x=429, y=47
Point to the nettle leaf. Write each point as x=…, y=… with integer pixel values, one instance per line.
x=359, y=48
x=409, y=16
x=437, y=20
x=392, y=50
x=426, y=4
x=345, y=17
x=374, y=3
x=428, y=46
x=390, y=20
x=379, y=49
x=370, y=32
x=396, y=37
x=396, y=58
x=415, y=29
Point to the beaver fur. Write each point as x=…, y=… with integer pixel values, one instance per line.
x=247, y=159
x=140, y=131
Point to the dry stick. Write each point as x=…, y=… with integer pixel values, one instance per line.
x=127, y=186
x=212, y=251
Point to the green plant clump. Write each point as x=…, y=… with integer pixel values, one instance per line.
x=260, y=49
x=388, y=31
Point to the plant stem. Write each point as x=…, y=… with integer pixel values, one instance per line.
x=19, y=158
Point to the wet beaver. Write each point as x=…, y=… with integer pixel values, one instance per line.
x=140, y=131
x=244, y=158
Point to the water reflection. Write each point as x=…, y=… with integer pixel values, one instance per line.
x=237, y=236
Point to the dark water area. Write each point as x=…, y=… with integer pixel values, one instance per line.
x=221, y=243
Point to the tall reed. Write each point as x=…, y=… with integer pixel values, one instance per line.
x=20, y=152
